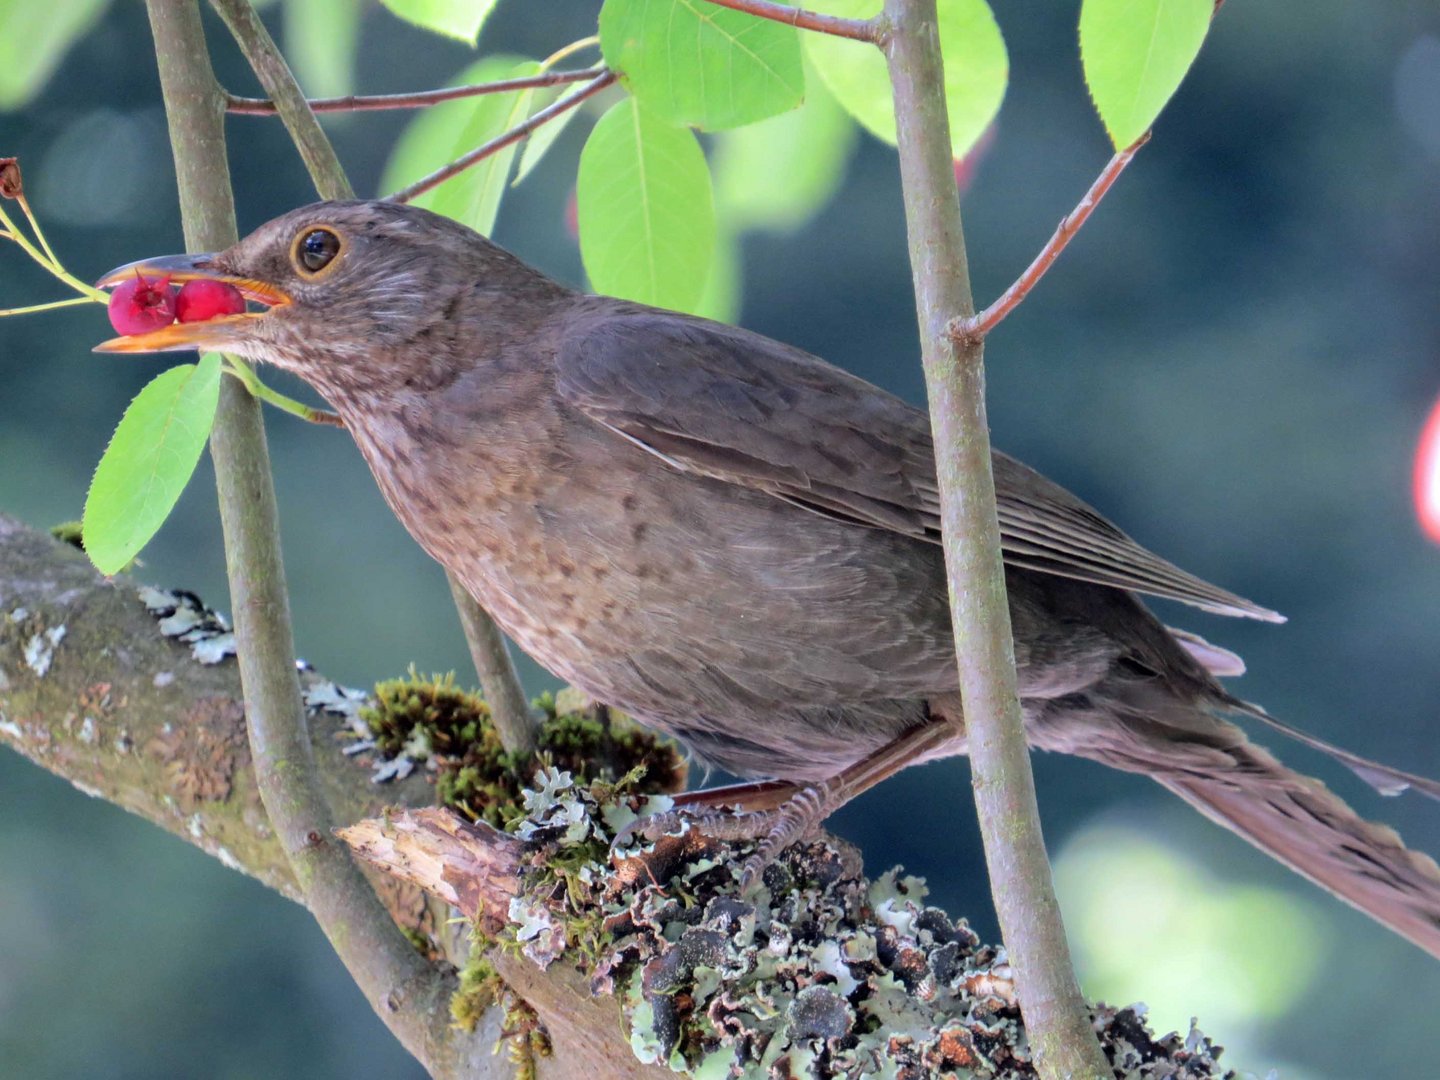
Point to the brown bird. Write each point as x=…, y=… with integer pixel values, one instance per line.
x=738, y=543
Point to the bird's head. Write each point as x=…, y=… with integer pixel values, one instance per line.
x=335, y=287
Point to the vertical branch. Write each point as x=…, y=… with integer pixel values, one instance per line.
x=275, y=76
x=1056, y=1017
x=499, y=681
x=406, y=991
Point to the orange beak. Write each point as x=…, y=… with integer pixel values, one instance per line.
x=217, y=333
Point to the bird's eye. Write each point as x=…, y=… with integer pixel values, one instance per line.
x=315, y=249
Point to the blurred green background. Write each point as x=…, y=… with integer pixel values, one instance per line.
x=1233, y=361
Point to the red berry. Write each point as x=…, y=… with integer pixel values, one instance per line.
x=201, y=299
x=142, y=304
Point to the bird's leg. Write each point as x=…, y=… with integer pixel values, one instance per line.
x=780, y=813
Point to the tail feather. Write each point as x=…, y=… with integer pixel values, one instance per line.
x=1298, y=821
x=1143, y=726
x=1383, y=778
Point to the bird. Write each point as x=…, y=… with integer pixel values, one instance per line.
x=738, y=544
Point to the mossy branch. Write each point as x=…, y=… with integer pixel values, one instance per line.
x=127, y=714
x=498, y=678
x=110, y=696
x=818, y=973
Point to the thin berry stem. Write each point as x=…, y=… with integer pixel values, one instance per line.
x=854, y=29
x=245, y=106
x=50, y=266
x=975, y=327
x=32, y=309
x=500, y=142
x=35, y=227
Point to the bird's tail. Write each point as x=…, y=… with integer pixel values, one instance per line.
x=1300, y=822
x=1210, y=764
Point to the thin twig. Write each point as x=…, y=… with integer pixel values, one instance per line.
x=246, y=106
x=275, y=76
x=1055, y=1014
x=854, y=29
x=406, y=991
x=975, y=327
x=498, y=680
x=495, y=145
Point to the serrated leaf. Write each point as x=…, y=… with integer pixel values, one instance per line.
x=461, y=19
x=692, y=62
x=1135, y=54
x=977, y=69
x=646, y=212
x=779, y=173
x=34, y=38
x=149, y=461
x=320, y=44
x=444, y=132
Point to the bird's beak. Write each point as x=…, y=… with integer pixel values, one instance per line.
x=217, y=333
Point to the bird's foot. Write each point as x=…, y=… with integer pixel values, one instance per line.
x=776, y=828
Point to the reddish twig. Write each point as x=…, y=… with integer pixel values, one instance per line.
x=975, y=327
x=854, y=29
x=244, y=106
x=495, y=145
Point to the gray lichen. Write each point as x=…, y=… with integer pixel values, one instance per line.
x=185, y=617
x=817, y=973
x=40, y=649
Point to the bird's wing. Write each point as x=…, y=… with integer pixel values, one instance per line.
x=730, y=404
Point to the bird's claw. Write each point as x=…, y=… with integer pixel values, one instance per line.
x=775, y=829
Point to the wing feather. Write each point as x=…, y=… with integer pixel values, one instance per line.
x=733, y=405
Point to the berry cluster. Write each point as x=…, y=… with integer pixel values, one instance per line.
x=145, y=304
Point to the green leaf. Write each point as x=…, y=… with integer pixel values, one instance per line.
x=779, y=173
x=693, y=62
x=444, y=132
x=720, y=299
x=976, y=69
x=34, y=38
x=1135, y=52
x=538, y=144
x=321, y=37
x=647, y=215
x=149, y=461
x=460, y=19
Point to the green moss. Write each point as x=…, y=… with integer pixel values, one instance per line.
x=480, y=985
x=68, y=532
x=433, y=719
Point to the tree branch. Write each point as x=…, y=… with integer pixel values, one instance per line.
x=126, y=712
x=116, y=699
x=406, y=991
x=973, y=328
x=723, y=982
x=499, y=681
x=854, y=29
x=1055, y=1014
x=275, y=76
x=495, y=145
x=244, y=106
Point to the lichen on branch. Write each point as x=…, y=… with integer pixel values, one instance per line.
x=819, y=973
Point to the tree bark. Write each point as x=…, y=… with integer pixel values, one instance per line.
x=92, y=690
